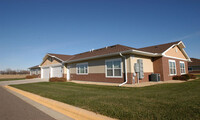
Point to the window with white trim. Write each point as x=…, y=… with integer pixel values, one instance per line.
x=113, y=68
x=172, y=67
x=182, y=67
x=82, y=68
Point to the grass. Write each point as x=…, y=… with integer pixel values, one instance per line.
x=164, y=101
x=198, y=76
x=9, y=79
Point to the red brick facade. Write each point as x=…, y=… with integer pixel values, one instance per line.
x=100, y=77
x=161, y=66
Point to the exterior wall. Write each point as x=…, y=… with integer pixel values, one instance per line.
x=147, y=63
x=94, y=66
x=161, y=66
x=175, y=52
x=158, y=67
x=147, y=67
x=35, y=71
x=49, y=62
x=97, y=71
x=195, y=69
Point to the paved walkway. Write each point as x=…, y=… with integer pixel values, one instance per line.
x=14, y=106
x=128, y=85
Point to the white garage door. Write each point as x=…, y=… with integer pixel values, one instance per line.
x=56, y=72
x=45, y=72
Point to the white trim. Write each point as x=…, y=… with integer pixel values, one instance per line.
x=50, y=56
x=51, y=65
x=180, y=67
x=186, y=55
x=110, y=60
x=181, y=49
x=168, y=49
x=182, y=44
x=169, y=68
x=68, y=72
x=51, y=72
x=85, y=63
x=175, y=58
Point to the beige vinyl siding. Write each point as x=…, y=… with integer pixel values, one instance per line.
x=65, y=69
x=94, y=66
x=175, y=52
x=48, y=62
x=147, y=63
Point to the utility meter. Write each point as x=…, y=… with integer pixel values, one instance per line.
x=137, y=67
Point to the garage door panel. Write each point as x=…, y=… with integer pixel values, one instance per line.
x=45, y=73
x=57, y=72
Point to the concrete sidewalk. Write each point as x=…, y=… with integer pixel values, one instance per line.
x=127, y=85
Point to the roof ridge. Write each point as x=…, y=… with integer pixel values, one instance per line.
x=103, y=48
x=58, y=54
x=161, y=44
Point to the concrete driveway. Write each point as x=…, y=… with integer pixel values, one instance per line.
x=14, y=82
x=14, y=106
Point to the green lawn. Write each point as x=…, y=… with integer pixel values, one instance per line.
x=164, y=101
x=9, y=79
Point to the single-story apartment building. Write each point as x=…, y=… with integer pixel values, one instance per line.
x=35, y=70
x=194, y=65
x=116, y=63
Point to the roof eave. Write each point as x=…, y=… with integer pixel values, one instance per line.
x=117, y=53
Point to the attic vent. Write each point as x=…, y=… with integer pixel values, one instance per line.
x=112, y=46
x=91, y=50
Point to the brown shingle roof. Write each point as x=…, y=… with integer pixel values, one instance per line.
x=158, y=48
x=102, y=51
x=34, y=67
x=114, y=49
x=61, y=56
x=195, y=62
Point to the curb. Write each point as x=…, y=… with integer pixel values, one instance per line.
x=66, y=109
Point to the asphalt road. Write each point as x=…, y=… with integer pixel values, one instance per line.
x=13, y=108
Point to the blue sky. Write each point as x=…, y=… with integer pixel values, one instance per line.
x=31, y=28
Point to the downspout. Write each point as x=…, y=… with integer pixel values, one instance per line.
x=125, y=70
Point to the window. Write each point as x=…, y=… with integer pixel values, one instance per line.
x=172, y=67
x=182, y=67
x=82, y=68
x=113, y=68
x=190, y=68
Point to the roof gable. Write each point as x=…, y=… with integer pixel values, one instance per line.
x=158, y=48
x=175, y=51
x=61, y=56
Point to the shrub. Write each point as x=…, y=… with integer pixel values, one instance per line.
x=179, y=77
x=32, y=76
x=56, y=79
x=184, y=77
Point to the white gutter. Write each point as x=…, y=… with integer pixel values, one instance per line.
x=125, y=70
